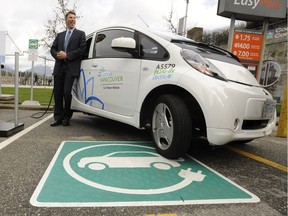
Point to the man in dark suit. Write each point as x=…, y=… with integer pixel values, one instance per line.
x=67, y=50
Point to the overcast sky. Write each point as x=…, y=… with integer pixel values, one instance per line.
x=24, y=20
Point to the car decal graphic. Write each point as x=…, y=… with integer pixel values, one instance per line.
x=163, y=71
x=83, y=92
x=108, y=78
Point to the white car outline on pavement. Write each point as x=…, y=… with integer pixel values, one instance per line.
x=112, y=161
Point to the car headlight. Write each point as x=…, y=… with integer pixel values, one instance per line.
x=201, y=64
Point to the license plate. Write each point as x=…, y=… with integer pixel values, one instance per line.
x=269, y=108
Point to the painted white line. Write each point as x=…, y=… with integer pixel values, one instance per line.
x=20, y=134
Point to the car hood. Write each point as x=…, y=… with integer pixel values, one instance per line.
x=236, y=73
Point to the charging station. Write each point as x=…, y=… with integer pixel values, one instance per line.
x=9, y=128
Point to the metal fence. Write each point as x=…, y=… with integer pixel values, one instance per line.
x=42, y=81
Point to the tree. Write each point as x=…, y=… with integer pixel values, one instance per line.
x=57, y=23
x=216, y=37
x=219, y=37
x=169, y=21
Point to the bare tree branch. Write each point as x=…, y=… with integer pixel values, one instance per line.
x=56, y=24
x=169, y=21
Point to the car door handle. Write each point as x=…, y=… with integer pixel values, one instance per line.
x=94, y=65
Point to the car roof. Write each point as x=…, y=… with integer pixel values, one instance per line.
x=169, y=36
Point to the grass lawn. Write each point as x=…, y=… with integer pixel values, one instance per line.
x=42, y=95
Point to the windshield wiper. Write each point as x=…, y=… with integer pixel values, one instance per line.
x=210, y=46
x=219, y=49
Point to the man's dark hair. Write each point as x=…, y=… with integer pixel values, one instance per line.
x=70, y=12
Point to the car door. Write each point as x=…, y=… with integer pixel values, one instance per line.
x=84, y=85
x=115, y=74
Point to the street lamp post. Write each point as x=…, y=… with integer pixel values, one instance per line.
x=185, y=21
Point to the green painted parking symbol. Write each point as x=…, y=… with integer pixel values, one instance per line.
x=130, y=174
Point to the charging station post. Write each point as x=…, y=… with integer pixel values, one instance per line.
x=32, y=56
x=8, y=128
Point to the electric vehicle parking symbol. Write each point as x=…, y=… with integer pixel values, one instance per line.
x=114, y=160
x=128, y=160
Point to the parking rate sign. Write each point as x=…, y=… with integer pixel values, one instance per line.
x=247, y=45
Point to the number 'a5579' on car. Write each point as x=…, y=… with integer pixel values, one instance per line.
x=175, y=87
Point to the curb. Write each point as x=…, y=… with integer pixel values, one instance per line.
x=25, y=107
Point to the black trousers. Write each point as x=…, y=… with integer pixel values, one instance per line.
x=63, y=83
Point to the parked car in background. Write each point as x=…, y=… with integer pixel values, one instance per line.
x=175, y=87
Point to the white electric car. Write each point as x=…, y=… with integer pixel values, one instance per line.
x=178, y=88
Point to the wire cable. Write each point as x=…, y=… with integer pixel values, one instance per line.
x=13, y=42
x=34, y=115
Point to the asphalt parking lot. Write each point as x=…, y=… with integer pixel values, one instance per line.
x=259, y=166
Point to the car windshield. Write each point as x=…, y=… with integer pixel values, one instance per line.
x=208, y=51
x=205, y=50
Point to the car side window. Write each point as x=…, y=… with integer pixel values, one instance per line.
x=103, y=41
x=150, y=49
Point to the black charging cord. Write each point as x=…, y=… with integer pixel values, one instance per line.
x=41, y=114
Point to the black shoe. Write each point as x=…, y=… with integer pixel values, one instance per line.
x=65, y=122
x=56, y=123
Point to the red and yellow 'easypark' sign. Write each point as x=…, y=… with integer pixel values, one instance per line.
x=247, y=45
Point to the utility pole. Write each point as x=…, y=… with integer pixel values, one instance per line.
x=231, y=33
x=185, y=20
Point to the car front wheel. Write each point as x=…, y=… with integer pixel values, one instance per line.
x=171, y=126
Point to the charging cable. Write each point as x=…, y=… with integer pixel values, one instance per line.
x=41, y=114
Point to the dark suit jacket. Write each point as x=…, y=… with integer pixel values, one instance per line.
x=75, y=50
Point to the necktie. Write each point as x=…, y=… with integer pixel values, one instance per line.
x=68, y=35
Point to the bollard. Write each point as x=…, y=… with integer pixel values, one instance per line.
x=282, y=124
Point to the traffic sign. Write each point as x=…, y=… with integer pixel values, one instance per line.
x=33, y=43
x=130, y=174
x=33, y=50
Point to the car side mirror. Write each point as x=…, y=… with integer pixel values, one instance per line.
x=270, y=74
x=123, y=44
x=2, y=66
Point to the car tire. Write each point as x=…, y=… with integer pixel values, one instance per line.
x=171, y=126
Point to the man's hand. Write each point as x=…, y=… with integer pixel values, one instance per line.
x=62, y=55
